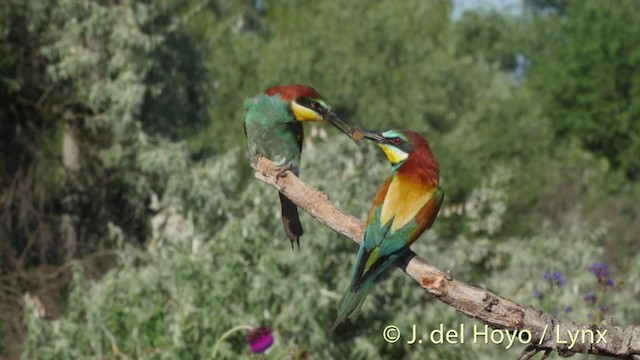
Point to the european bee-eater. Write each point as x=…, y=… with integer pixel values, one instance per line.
x=405, y=206
x=273, y=127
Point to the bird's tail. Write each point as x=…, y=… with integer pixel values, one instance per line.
x=351, y=303
x=291, y=220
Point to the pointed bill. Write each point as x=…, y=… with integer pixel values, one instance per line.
x=374, y=136
x=343, y=125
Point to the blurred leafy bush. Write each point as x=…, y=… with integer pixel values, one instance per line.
x=153, y=93
x=197, y=281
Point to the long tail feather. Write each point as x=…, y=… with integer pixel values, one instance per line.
x=291, y=220
x=350, y=304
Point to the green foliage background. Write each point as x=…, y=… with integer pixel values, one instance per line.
x=532, y=117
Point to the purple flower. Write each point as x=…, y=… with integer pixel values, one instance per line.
x=604, y=309
x=537, y=294
x=260, y=339
x=559, y=279
x=599, y=269
x=590, y=298
x=555, y=278
x=567, y=309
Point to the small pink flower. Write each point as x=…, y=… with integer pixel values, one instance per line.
x=260, y=339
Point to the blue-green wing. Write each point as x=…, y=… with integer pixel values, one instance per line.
x=272, y=131
x=379, y=249
x=381, y=246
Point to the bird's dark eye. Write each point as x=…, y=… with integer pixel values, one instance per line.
x=396, y=140
x=316, y=106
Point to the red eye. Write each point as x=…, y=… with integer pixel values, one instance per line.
x=316, y=106
x=396, y=141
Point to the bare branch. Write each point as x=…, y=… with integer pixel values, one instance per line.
x=541, y=331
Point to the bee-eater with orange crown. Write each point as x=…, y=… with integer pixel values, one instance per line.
x=405, y=206
x=273, y=127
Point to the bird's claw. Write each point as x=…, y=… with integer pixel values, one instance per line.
x=254, y=160
x=283, y=168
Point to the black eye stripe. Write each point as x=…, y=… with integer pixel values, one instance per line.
x=311, y=104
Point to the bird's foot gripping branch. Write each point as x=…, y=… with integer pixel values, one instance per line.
x=547, y=333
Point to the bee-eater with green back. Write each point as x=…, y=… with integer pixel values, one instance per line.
x=273, y=127
x=405, y=206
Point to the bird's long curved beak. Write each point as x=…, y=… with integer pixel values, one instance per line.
x=374, y=136
x=343, y=125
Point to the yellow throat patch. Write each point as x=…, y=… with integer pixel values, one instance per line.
x=304, y=114
x=394, y=154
